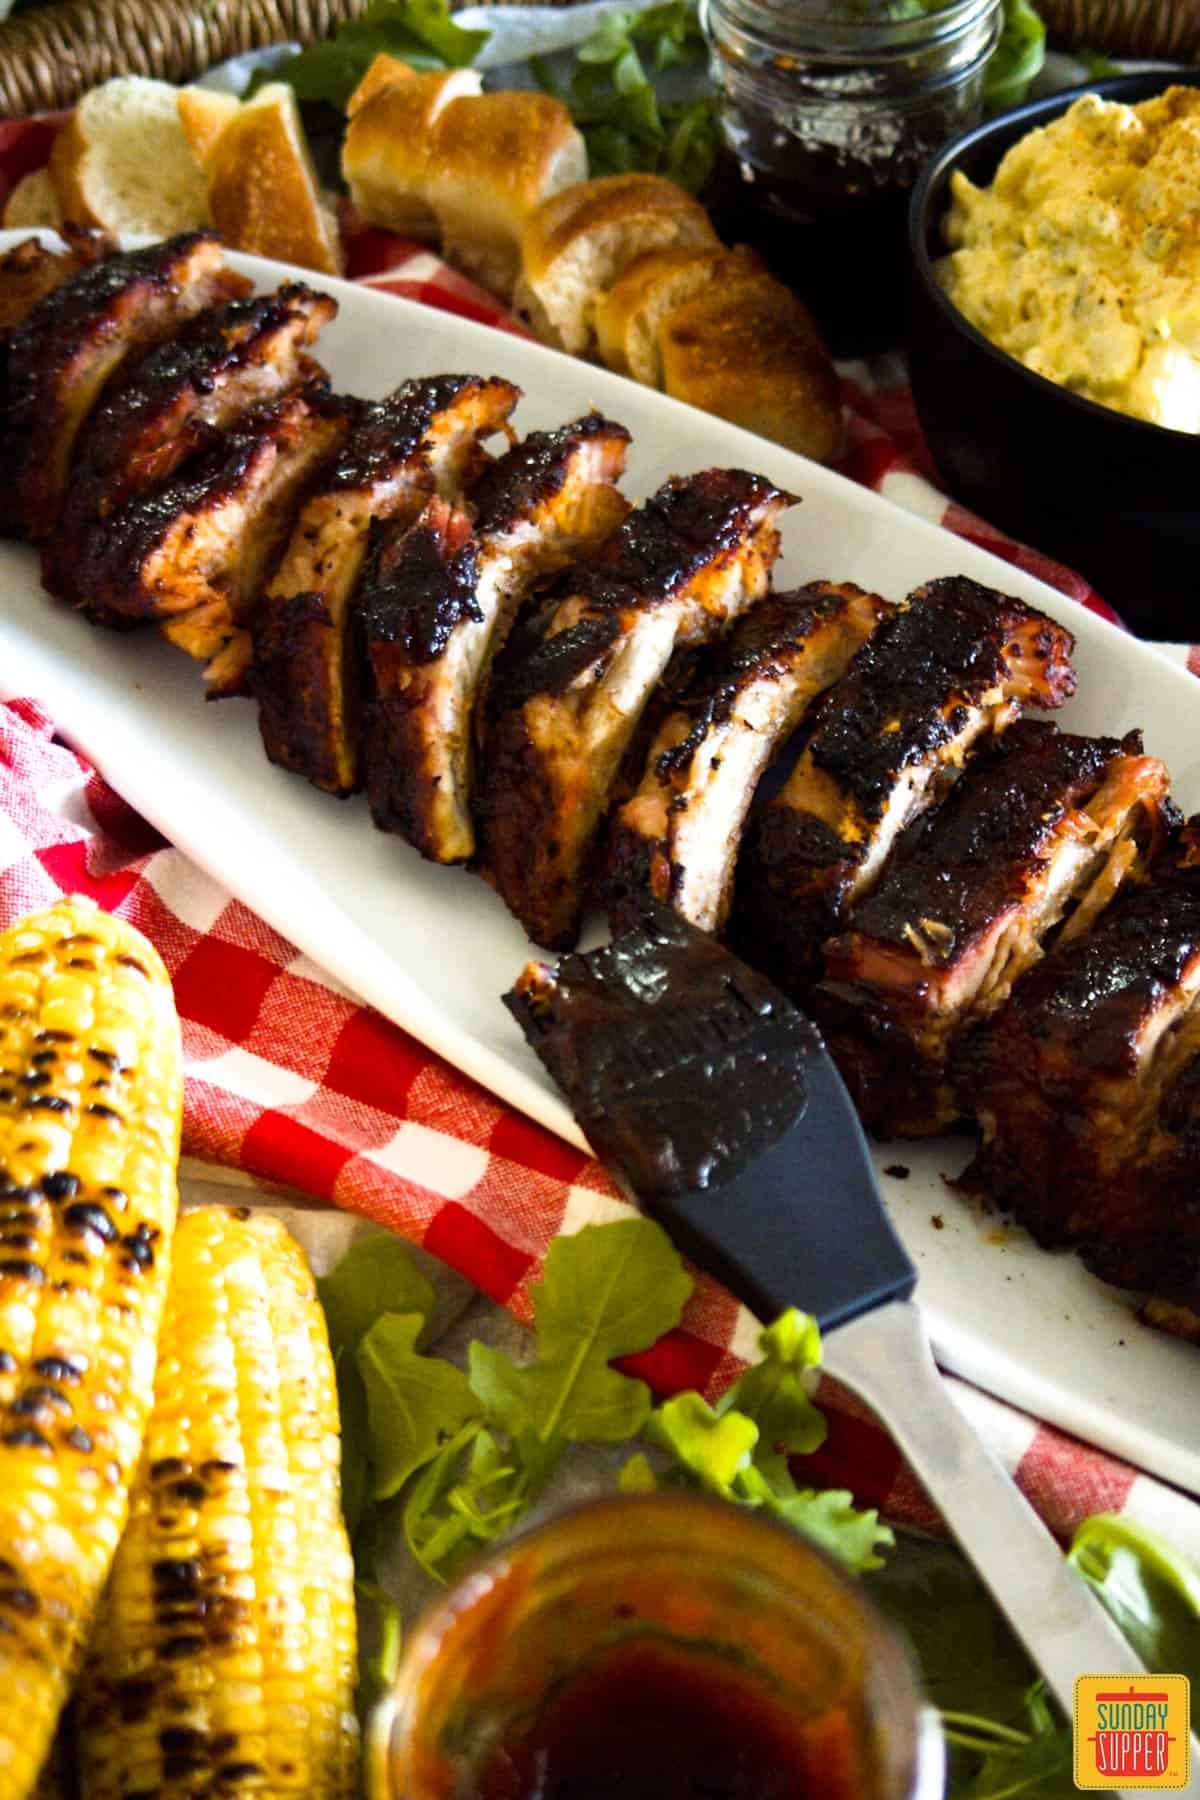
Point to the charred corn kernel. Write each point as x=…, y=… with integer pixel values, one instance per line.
x=89, y=1149
x=224, y=1660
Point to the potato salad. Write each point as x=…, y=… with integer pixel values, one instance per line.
x=1082, y=259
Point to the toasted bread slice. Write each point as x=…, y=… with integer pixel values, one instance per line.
x=749, y=352
x=33, y=202
x=123, y=162
x=386, y=150
x=263, y=192
x=629, y=316
x=493, y=160
x=580, y=241
x=204, y=113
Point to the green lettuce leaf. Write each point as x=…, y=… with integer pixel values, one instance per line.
x=414, y=1402
x=1151, y=1592
x=377, y=1275
x=418, y=32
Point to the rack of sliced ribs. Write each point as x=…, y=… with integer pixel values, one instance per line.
x=594, y=704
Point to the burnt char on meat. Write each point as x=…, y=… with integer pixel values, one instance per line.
x=195, y=553
x=676, y=840
x=442, y=600
x=30, y=271
x=174, y=401
x=1043, y=827
x=1086, y=1087
x=424, y=439
x=955, y=664
x=677, y=572
x=75, y=339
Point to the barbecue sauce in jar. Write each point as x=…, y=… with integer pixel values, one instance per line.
x=654, y=1647
x=828, y=110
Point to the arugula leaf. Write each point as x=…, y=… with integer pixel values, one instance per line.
x=356, y=1468
x=413, y=1401
x=711, y=1446
x=1152, y=1594
x=375, y=1276
x=1017, y=58
x=418, y=32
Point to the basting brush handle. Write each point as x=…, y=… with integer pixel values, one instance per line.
x=884, y=1357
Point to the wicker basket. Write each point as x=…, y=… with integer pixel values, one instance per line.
x=1151, y=28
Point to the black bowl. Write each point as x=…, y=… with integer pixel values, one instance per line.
x=1116, y=498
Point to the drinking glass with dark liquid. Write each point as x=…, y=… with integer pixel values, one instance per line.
x=655, y=1647
x=828, y=110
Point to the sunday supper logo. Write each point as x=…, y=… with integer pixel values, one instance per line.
x=1131, y=1733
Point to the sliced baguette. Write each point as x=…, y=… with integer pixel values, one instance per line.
x=749, y=352
x=580, y=241
x=263, y=192
x=33, y=202
x=204, y=114
x=628, y=317
x=123, y=162
x=493, y=160
x=388, y=142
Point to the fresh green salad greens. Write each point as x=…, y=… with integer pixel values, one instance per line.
x=451, y=1459
x=615, y=90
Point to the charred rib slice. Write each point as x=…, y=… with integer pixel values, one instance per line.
x=676, y=841
x=29, y=271
x=1087, y=1088
x=196, y=553
x=440, y=602
x=174, y=399
x=677, y=572
x=955, y=664
x=1043, y=827
x=425, y=438
x=76, y=338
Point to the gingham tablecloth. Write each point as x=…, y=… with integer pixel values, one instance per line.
x=292, y=1081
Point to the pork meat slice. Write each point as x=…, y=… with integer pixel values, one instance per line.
x=442, y=599
x=1086, y=1087
x=955, y=664
x=1038, y=835
x=424, y=439
x=31, y=270
x=173, y=400
x=196, y=553
x=75, y=339
x=676, y=840
x=677, y=572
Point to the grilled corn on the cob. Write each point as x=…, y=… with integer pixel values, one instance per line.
x=224, y=1660
x=90, y=1101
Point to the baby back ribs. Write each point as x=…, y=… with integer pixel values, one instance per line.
x=195, y=553
x=677, y=572
x=1086, y=1086
x=440, y=603
x=677, y=839
x=30, y=271
x=956, y=663
x=426, y=438
x=173, y=400
x=1043, y=827
x=75, y=339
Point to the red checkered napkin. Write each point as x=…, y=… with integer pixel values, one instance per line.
x=292, y=1081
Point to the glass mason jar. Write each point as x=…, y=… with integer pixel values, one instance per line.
x=655, y=1647
x=828, y=109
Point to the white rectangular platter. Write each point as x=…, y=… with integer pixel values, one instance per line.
x=433, y=948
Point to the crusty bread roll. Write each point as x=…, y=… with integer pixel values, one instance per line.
x=628, y=317
x=493, y=160
x=388, y=142
x=263, y=192
x=579, y=242
x=204, y=114
x=122, y=161
x=749, y=352
x=33, y=202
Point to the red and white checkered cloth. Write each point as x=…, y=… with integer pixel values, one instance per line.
x=292, y=1081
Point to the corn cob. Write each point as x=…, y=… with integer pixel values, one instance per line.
x=224, y=1660
x=90, y=1102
